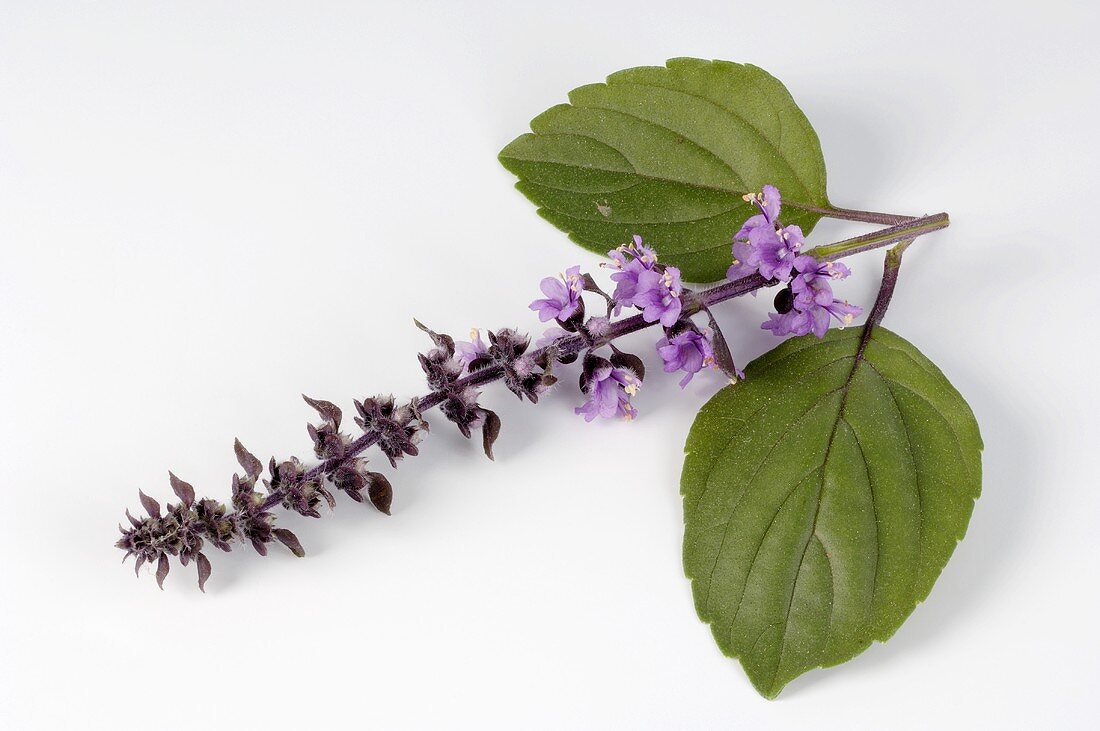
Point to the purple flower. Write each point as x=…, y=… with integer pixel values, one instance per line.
x=658, y=296
x=689, y=351
x=746, y=260
x=809, y=303
x=632, y=260
x=552, y=335
x=471, y=351
x=812, y=280
x=762, y=245
x=563, y=296
x=608, y=389
x=778, y=251
x=793, y=322
x=815, y=318
x=769, y=203
x=844, y=313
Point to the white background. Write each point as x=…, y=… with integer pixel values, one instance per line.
x=208, y=208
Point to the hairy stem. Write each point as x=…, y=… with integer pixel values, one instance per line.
x=900, y=232
x=890, y=270
x=852, y=214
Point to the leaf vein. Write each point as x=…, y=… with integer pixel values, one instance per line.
x=935, y=409
x=874, y=513
x=724, y=449
x=774, y=145
x=653, y=123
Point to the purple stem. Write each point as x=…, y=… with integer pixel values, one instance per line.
x=890, y=270
x=572, y=344
x=852, y=214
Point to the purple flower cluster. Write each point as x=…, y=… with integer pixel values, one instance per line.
x=608, y=387
x=643, y=283
x=807, y=304
x=765, y=246
x=689, y=350
x=456, y=371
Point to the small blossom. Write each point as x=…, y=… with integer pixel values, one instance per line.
x=461, y=407
x=769, y=202
x=812, y=280
x=297, y=493
x=608, y=389
x=658, y=296
x=471, y=351
x=811, y=303
x=520, y=374
x=215, y=525
x=792, y=322
x=328, y=442
x=844, y=313
x=778, y=252
x=632, y=260
x=762, y=245
x=746, y=260
x=551, y=336
x=440, y=365
x=563, y=296
x=689, y=351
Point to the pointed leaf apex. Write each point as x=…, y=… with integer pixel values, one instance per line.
x=490, y=430
x=248, y=461
x=328, y=410
x=183, y=490
x=162, y=570
x=151, y=506
x=203, y=565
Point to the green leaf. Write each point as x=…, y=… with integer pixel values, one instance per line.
x=667, y=153
x=822, y=498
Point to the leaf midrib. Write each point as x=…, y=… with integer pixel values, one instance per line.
x=808, y=207
x=775, y=146
x=845, y=389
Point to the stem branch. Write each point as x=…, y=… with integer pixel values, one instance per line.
x=851, y=214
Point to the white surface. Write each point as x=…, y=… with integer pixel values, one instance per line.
x=206, y=210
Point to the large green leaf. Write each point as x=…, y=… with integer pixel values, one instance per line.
x=822, y=498
x=667, y=152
